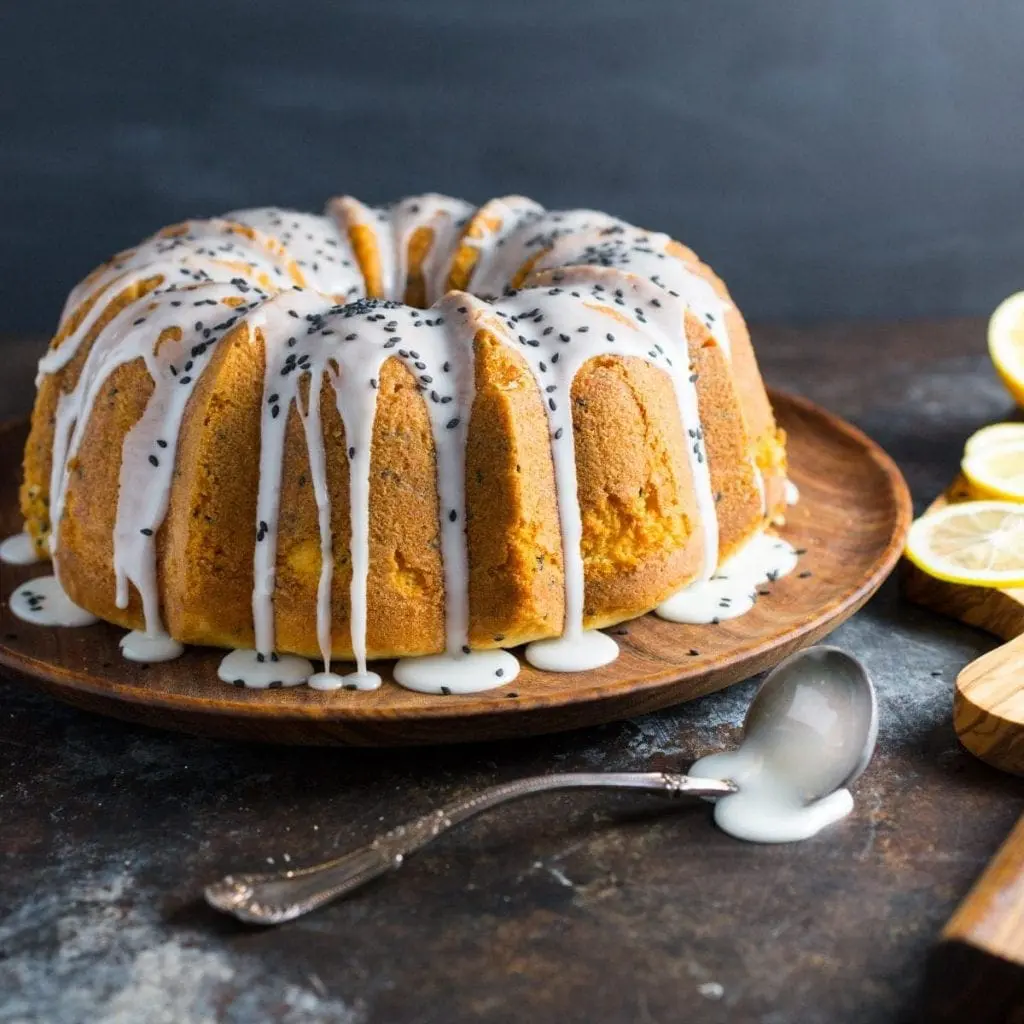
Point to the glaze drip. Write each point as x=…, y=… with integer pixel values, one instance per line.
x=19, y=550
x=258, y=672
x=732, y=590
x=145, y=647
x=43, y=603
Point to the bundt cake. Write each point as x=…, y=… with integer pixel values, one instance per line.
x=427, y=432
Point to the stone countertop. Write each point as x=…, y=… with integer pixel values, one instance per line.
x=579, y=907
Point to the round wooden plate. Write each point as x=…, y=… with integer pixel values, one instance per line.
x=852, y=519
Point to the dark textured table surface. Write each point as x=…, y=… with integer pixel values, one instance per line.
x=568, y=908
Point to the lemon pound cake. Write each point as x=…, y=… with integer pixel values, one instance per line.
x=427, y=432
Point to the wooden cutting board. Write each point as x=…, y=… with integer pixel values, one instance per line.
x=976, y=972
x=988, y=702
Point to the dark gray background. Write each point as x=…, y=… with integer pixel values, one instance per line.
x=829, y=158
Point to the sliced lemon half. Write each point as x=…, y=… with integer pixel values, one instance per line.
x=979, y=543
x=996, y=471
x=994, y=436
x=1006, y=343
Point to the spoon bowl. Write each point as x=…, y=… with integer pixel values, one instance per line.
x=814, y=720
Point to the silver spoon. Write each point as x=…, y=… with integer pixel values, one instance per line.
x=272, y=898
x=815, y=718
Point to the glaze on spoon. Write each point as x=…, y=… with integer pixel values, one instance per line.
x=810, y=731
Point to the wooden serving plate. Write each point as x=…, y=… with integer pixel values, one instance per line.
x=852, y=520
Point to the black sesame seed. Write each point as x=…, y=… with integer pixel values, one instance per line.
x=452, y=424
x=465, y=648
x=146, y=532
x=452, y=516
x=446, y=691
x=161, y=444
x=154, y=461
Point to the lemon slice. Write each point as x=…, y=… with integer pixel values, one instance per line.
x=996, y=472
x=1006, y=343
x=980, y=543
x=994, y=436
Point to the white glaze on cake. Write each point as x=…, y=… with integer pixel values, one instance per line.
x=19, y=549
x=320, y=249
x=43, y=603
x=175, y=361
x=583, y=266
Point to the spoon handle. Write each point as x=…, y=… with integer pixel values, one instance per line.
x=276, y=897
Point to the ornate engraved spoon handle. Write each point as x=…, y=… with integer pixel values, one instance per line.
x=274, y=898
